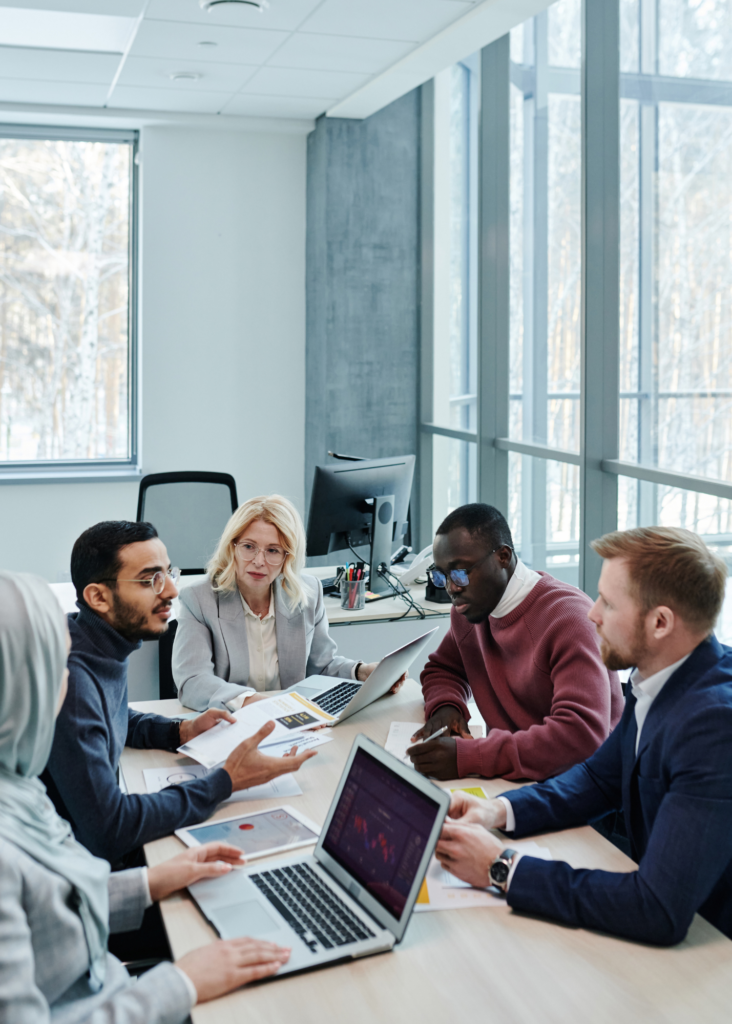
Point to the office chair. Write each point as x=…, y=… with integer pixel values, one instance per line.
x=189, y=511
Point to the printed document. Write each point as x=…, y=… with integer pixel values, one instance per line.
x=291, y=713
x=441, y=890
x=157, y=779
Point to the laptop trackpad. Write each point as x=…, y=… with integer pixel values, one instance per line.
x=311, y=691
x=242, y=919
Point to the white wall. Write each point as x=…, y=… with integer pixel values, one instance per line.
x=222, y=335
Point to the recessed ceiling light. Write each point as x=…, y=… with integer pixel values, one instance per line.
x=207, y=42
x=184, y=76
x=211, y=5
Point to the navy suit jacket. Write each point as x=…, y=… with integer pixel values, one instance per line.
x=676, y=798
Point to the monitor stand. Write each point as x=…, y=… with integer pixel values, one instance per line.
x=382, y=530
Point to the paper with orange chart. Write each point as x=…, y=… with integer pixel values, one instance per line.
x=441, y=890
x=291, y=712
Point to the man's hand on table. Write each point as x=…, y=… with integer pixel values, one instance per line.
x=249, y=766
x=468, y=851
x=438, y=757
x=466, y=848
x=208, y=861
x=191, y=727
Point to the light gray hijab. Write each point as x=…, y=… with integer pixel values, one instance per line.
x=32, y=662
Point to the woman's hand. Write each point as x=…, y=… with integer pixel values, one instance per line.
x=225, y=965
x=366, y=668
x=208, y=861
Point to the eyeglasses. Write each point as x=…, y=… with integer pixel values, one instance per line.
x=157, y=581
x=248, y=551
x=458, y=577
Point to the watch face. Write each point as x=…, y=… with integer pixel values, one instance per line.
x=499, y=872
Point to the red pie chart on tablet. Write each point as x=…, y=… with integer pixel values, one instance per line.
x=246, y=826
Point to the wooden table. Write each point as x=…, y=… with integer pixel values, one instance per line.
x=465, y=965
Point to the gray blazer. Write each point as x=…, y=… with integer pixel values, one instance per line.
x=44, y=958
x=211, y=656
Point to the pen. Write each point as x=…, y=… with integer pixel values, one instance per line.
x=432, y=737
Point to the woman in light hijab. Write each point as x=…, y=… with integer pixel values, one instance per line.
x=58, y=903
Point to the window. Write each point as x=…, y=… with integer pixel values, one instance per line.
x=67, y=301
x=453, y=385
x=604, y=323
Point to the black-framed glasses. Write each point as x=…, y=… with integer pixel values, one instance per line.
x=156, y=581
x=458, y=577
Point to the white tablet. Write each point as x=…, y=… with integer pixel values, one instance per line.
x=258, y=834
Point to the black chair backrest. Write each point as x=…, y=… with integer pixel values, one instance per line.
x=189, y=511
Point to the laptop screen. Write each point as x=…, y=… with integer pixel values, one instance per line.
x=379, y=831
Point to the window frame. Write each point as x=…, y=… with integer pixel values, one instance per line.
x=129, y=468
x=601, y=86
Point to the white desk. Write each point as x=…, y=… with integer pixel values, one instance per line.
x=467, y=965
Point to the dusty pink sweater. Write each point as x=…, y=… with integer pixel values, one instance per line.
x=538, y=680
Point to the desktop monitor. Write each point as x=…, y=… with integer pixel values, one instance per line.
x=363, y=502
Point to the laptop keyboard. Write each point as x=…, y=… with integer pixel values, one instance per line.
x=335, y=700
x=312, y=909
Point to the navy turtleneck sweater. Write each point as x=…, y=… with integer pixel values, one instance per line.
x=93, y=727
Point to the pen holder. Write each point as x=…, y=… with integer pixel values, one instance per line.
x=353, y=594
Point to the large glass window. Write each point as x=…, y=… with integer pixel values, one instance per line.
x=66, y=300
x=545, y=279
x=455, y=313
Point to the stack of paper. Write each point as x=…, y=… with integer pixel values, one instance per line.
x=291, y=713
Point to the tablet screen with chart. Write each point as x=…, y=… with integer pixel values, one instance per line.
x=256, y=834
x=379, y=831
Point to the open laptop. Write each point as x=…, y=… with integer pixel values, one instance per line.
x=344, y=697
x=354, y=894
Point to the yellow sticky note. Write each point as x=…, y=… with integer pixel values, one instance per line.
x=473, y=790
x=424, y=896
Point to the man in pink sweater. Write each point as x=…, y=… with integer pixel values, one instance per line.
x=522, y=643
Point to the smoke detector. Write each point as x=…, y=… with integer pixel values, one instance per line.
x=215, y=5
x=184, y=76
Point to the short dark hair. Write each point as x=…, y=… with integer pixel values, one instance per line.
x=95, y=555
x=485, y=520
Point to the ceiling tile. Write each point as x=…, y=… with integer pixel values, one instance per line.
x=282, y=14
x=154, y=73
x=275, y=106
x=57, y=65
x=233, y=45
x=133, y=98
x=288, y=82
x=339, y=53
x=119, y=8
x=411, y=20
x=64, y=30
x=64, y=94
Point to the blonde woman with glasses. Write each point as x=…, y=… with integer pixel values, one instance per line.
x=257, y=623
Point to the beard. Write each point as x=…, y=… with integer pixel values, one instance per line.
x=132, y=624
x=616, y=659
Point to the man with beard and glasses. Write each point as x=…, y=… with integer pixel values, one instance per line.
x=520, y=642
x=667, y=768
x=125, y=587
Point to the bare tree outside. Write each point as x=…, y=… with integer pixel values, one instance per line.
x=64, y=300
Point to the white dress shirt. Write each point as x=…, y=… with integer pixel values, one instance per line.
x=264, y=666
x=521, y=583
x=645, y=692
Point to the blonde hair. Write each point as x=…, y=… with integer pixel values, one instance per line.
x=283, y=515
x=672, y=567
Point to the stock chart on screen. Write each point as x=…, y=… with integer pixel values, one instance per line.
x=379, y=831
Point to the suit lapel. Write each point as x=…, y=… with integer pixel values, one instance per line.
x=234, y=633
x=701, y=659
x=291, y=653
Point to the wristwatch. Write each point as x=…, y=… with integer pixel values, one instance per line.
x=500, y=869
